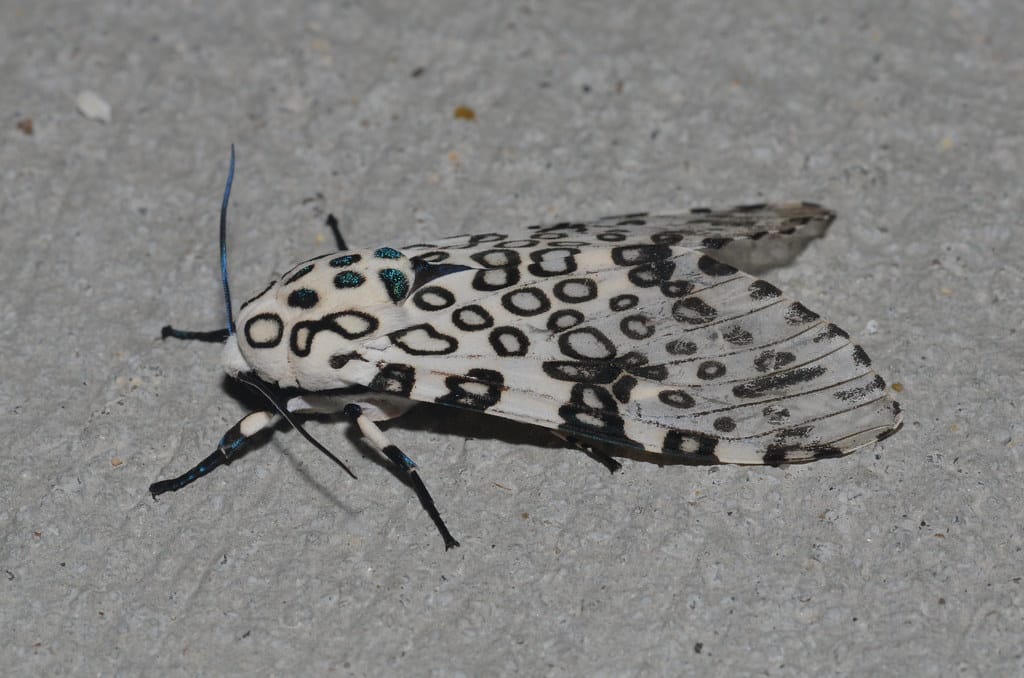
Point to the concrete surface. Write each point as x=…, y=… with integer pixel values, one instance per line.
x=902, y=559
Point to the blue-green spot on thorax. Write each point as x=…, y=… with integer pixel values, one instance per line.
x=387, y=253
x=347, y=279
x=344, y=260
x=396, y=283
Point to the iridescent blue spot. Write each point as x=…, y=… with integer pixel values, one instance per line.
x=348, y=279
x=345, y=260
x=387, y=253
x=396, y=283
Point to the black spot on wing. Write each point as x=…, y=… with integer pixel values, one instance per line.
x=860, y=357
x=527, y=301
x=575, y=290
x=715, y=243
x=339, y=360
x=479, y=389
x=677, y=398
x=509, y=341
x=634, y=255
x=635, y=363
x=797, y=314
x=761, y=290
x=553, y=261
x=666, y=238
x=592, y=410
x=582, y=371
x=737, y=336
x=772, y=361
x=472, y=318
x=638, y=326
x=710, y=369
x=724, y=424
x=565, y=319
x=830, y=331
x=684, y=442
x=493, y=279
x=623, y=302
x=423, y=339
x=394, y=378
x=622, y=389
x=433, y=298
x=693, y=311
x=586, y=343
x=760, y=386
x=676, y=288
x=652, y=274
x=714, y=267
x=681, y=347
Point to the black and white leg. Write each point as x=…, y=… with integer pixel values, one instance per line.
x=408, y=467
x=233, y=442
x=589, y=450
x=332, y=223
x=212, y=336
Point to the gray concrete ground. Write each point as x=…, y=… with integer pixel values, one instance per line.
x=902, y=559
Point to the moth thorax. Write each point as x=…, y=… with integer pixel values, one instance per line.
x=297, y=330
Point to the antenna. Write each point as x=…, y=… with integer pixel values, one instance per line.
x=224, y=242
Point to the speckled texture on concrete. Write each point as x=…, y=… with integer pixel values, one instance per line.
x=902, y=559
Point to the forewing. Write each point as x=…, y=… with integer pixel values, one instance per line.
x=654, y=347
x=699, y=228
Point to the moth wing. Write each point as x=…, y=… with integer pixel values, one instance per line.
x=653, y=347
x=699, y=228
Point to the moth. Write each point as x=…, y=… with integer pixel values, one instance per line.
x=624, y=332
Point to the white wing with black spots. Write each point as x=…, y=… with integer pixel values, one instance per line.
x=700, y=228
x=622, y=330
x=652, y=347
x=611, y=330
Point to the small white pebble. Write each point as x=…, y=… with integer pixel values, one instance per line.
x=871, y=327
x=93, y=106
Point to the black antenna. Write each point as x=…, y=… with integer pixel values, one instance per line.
x=282, y=409
x=224, y=242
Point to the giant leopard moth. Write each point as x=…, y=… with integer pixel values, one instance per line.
x=622, y=332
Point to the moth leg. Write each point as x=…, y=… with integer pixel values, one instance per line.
x=332, y=223
x=373, y=433
x=597, y=455
x=213, y=336
x=227, y=449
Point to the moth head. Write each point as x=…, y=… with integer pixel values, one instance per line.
x=296, y=331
